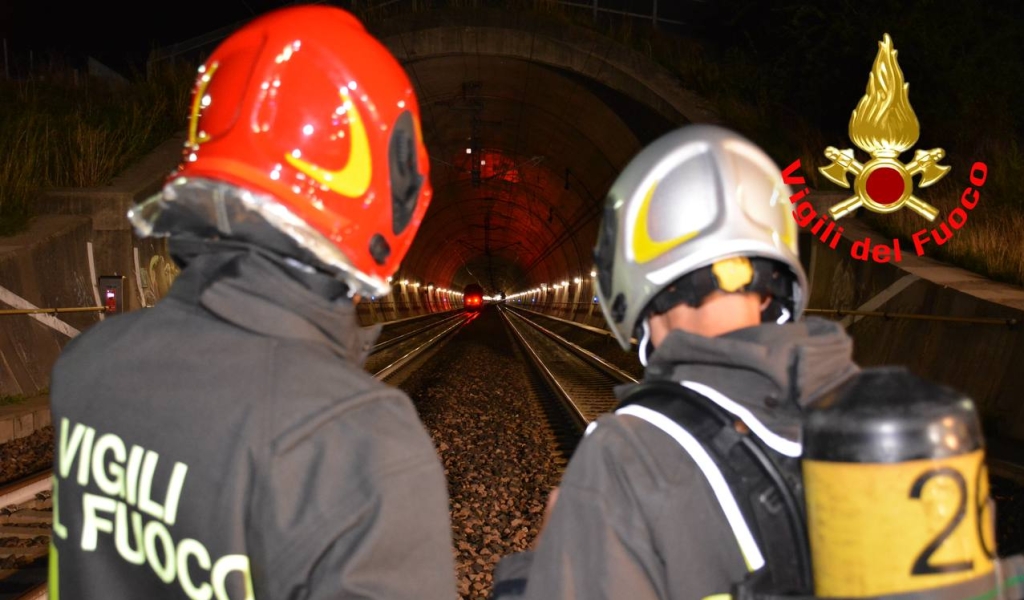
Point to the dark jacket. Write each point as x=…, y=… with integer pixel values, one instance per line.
x=636, y=519
x=228, y=442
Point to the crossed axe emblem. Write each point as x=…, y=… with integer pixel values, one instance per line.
x=884, y=184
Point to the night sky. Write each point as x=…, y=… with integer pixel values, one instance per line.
x=967, y=53
x=116, y=33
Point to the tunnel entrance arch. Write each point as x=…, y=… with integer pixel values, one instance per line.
x=531, y=36
x=520, y=70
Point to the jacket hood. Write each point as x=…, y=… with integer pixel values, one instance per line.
x=771, y=370
x=218, y=210
x=269, y=294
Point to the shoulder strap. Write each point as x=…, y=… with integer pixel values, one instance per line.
x=759, y=489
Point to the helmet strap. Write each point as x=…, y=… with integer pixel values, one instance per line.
x=645, y=339
x=769, y=278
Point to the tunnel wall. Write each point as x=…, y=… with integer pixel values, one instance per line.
x=48, y=266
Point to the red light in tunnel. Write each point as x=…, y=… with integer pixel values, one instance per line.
x=496, y=164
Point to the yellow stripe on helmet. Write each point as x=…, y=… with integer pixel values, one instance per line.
x=644, y=248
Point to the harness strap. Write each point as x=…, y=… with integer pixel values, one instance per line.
x=748, y=546
x=758, y=488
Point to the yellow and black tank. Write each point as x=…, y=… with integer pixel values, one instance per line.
x=896, y=489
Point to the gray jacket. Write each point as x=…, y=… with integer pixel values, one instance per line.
x=636, y=519
x=227, y=443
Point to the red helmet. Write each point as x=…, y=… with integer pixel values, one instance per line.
x=304, y=105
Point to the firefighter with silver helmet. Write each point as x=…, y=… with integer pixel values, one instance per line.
x=732, y=468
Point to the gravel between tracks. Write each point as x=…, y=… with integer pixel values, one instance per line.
x=25, y=456
x=499, y=456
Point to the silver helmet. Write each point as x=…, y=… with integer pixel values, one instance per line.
x=701, y=199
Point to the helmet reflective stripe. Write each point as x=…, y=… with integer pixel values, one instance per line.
x=644, y=248
x=773, y=440
x=748, y=546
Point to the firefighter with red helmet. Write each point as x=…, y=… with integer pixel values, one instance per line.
x=227, y=443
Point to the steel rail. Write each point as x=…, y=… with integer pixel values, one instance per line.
x=574, y=410
x=400, y=338
x=583, y=353
x=409, y=356
x=25, y=489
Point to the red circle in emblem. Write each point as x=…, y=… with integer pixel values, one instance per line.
x=885, y=185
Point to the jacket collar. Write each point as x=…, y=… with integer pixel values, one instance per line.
x=771, y=370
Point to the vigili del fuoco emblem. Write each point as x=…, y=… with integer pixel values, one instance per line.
x=884, y=125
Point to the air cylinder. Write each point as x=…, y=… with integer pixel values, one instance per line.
x=896, y=488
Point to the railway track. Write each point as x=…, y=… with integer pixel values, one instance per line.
x=26, y=511
x=581, y=381
x=594, y=339
x=391, y=358
x=1004, y=458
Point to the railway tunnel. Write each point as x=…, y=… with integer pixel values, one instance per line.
x=527, y=125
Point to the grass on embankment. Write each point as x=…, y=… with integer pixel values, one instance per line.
x=64, y=131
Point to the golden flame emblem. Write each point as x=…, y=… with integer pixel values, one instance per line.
x=884, y=125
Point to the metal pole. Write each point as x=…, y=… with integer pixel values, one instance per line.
x=654, y=15
x=595, y=11
x=7, y=69
x=838, y=313
x=38, y=311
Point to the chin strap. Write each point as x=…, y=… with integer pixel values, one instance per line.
x=645, y=340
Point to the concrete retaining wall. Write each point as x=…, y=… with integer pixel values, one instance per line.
x=77, y=236
x=43, y=268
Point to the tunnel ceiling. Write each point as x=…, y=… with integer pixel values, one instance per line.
x=522, y=206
